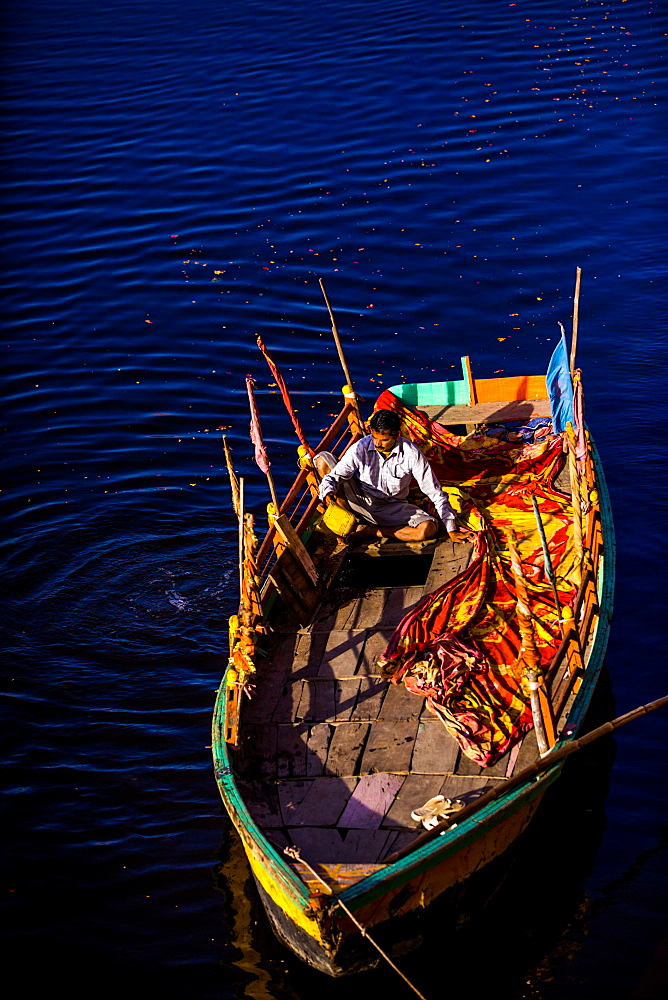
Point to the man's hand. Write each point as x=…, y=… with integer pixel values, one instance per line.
x=330, y=499
x=461, y=535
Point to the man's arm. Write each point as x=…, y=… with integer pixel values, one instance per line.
x=344, y=469
x=430, y=486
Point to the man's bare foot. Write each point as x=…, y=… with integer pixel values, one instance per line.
x=422, y=532
x=363, y=531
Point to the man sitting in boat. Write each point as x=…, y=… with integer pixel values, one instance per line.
x=372, y=481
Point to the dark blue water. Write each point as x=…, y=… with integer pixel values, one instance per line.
x=177, y=177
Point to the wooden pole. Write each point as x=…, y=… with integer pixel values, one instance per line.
x=576, y=311
x=547, y=560
x=337, y=341
x=566, y=625
x=291, y=540
x=272, y=489
x=241, y=536
x=466, y=365
x=575, y=501
x=541, y=709
x=538, y=766
x=538, y=723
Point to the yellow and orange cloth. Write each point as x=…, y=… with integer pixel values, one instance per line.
x=460, y=648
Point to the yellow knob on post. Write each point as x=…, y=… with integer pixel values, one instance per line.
x=304, y=457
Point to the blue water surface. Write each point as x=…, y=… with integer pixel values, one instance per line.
x=177, y=178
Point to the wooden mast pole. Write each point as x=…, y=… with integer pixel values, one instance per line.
x=342, y=359
x=241, y=536
x=575, y=502
x=576, y=311
x=272, y=489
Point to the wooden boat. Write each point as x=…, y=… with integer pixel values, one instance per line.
x=333, y=758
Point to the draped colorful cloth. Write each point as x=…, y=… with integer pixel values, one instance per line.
x=261, y=456
x=560, y=386
x=280, y=382
x=460, y=648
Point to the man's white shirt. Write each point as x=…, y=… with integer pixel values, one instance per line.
x=389, y=477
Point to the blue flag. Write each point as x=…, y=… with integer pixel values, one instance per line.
x=560, y=387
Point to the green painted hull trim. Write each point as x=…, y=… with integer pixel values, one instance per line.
x=236, y=806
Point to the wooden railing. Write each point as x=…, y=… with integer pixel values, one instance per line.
x=280, y=572
x=282, y=565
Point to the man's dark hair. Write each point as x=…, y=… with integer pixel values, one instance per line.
x=385, y=421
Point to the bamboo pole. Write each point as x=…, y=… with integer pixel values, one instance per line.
x=538, y=766
x=538, y=721
x=547, y=560
x=575, y=501
x=576, y=311
x=566, y=624
x=272, y=489
x=541, y=709
x=342, y=359
x=241, y=536
x=251, y=602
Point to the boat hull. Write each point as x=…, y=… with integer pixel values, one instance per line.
x=391, y=899
x=397, y=920
x=392, y=904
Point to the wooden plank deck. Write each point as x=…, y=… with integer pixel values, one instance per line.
x=333, y=758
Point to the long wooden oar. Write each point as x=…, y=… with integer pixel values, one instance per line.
x=342, y=359
x=524, y=775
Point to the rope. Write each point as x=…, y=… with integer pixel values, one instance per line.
x=294, y=852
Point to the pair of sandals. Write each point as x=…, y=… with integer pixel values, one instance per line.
x=436, y=809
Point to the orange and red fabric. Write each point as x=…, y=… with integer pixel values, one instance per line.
x=460, y=648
